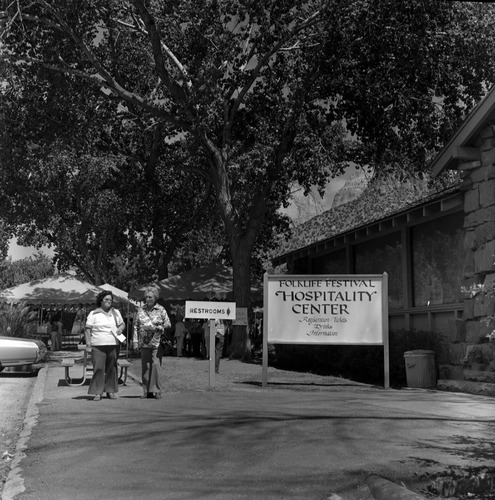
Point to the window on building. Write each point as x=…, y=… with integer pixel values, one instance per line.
x=381, y=255
x=330, y=263
x=299, y=266
x=437, y=260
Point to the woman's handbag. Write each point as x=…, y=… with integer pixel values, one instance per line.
x=120, y=337
x=166, y=342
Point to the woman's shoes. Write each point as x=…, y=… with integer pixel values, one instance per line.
x=110, y=395
x=151, y=395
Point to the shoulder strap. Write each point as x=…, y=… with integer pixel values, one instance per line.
x=115, y=317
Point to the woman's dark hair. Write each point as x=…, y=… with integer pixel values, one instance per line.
x=101, y=296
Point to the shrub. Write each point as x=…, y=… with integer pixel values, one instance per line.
x=13, y=320
x=355, y=362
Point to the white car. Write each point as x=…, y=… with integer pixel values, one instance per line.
x=16, y=351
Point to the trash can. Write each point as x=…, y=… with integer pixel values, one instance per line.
x=420, y=369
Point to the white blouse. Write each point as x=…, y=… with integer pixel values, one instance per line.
x=104, y=326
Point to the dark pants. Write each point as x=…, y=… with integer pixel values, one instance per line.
x=180, y=345
x=151, y=369
x=105, y=379
x=196, y=344
x=56, y=336
x=219, y=340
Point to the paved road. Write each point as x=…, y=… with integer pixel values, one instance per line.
x=246, y=442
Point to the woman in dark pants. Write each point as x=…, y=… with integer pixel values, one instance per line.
x=151, y=321
x=102, y=327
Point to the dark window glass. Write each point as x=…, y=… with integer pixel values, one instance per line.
x=438, y=259
x=383, y=255
x=331, y=263
x=300, y=266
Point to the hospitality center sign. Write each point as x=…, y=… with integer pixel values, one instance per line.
x=326, y=309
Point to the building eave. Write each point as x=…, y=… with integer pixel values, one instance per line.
x=448, y=202
x=458, y=149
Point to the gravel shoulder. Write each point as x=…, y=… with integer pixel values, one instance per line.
x=15, y=391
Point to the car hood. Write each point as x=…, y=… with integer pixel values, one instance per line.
x=42, y=349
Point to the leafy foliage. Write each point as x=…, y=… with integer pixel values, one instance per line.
x=241, y=97
x=5, y=235
x=360, y=363
x=404, y=77
x=13, y=319
x=13, y=273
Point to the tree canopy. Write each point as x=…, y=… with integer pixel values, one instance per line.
x=404, y=76
x=16, y=272
x=241, y=97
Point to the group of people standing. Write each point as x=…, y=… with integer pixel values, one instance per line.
x=103, y=327
x=198, y=334
x=105, y=324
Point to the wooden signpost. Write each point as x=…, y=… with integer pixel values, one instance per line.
x=326, y=309
x=211, y=311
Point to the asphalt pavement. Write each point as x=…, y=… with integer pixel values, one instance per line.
x=302, y=437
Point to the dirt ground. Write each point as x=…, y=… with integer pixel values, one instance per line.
x=192, y=374
x=15, y=391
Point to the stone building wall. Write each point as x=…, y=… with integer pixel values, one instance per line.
x=471, y=354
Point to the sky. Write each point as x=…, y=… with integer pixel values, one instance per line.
x=18, y=252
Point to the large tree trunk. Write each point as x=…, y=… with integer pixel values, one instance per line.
x=240, y=347
x=242, y=236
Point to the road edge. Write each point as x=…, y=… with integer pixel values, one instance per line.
x=15, y=482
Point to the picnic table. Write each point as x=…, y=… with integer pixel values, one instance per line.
x=87, y=367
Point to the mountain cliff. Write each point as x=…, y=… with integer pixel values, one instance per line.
x=338, y=191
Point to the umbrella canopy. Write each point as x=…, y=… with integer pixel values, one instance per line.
x=214, y=281
x=59, y=289
x=117, y=292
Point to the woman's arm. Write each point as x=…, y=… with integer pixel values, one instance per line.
x=166, y=320
x=135, y=329
x=87, y=329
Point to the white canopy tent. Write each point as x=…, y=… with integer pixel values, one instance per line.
x=59, y=290
x=211, y=282
x=62, y=289
x=117, y=292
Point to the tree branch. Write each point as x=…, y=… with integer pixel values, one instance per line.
x=165, y=48
x=111, y=83
x=156, y=47
x=311, y=20
x=98, y=81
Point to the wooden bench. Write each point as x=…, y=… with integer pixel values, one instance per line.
x=69, y=363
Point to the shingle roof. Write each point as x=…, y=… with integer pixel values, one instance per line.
x=379, y=200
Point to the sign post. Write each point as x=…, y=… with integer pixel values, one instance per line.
x=211, y=362
x=264, y=361
x=326, y=309
x=210, y=311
